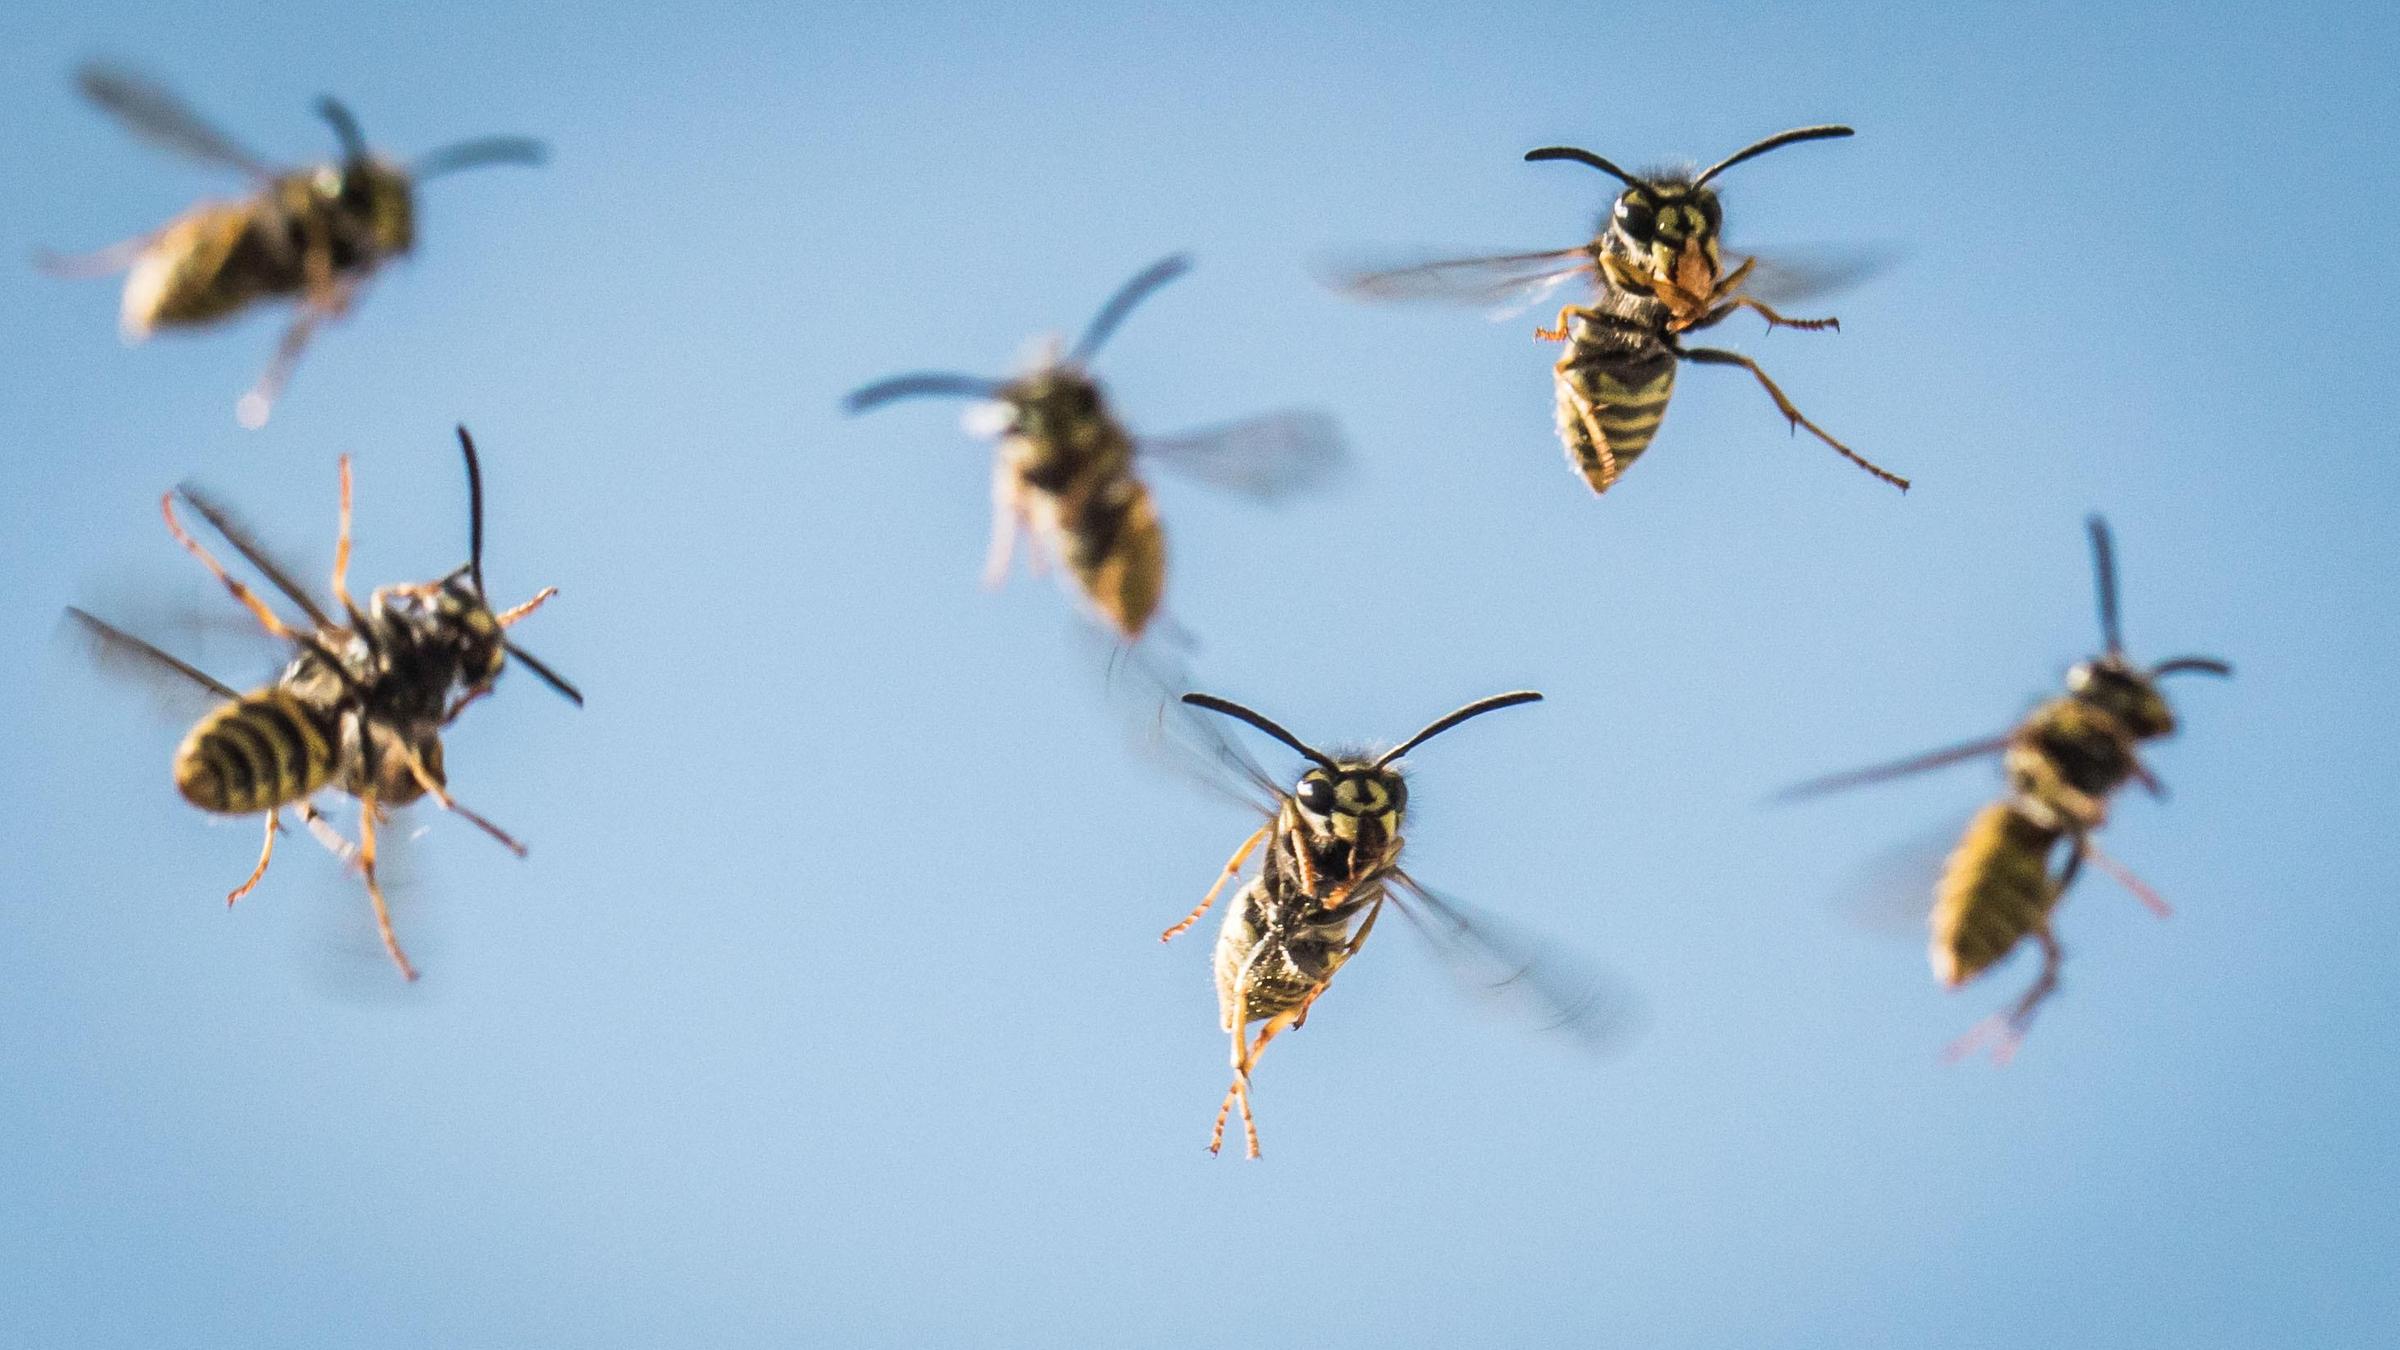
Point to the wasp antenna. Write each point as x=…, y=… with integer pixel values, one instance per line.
x=924, y=384
x=1582, y=157
x=1476, y=709
x=1129, y=295
x=1774, y=142
x=2104, y=579
x=548, y=676
x=1239, y=713
x=476, y=153
x=2198, y=665
x=466, y=445
x=345, y=128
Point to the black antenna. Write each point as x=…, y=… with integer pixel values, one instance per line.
x=2104, y=577
x=476, y=153
x=548, y=676
x=1476, y=709
x=920, y=384
x=2198, y=665
x=345, y=129
x=1240, y=713
x=1130, y=294
x=1582, y=157
x=466, y=443
x=1774, y=142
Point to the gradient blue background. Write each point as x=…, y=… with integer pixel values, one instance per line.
x=827, y=1009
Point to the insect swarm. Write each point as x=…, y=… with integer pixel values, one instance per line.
x=1065, y=467
x=1331, y=861
x=1658, y=266
x=2064, y=763
x=363, y=702
x=315, y=234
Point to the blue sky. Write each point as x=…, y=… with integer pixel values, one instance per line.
x=827, y=1009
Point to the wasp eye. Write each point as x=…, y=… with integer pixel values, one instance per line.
x=1636, y=217
x=1710, y=211
x=1398, y=787
x=1316, y=795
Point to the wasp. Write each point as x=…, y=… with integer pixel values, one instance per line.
x=1659, y=272
x=2064, y=763
x=361, y=706
x=1331, y=862
x=315, y=234
x=1065, y=468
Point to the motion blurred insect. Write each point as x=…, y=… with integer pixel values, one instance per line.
x=362, y=704
x=1066, y=465
x=1331, y=862
x=315, y=234
x=2064, y=763
x=1659, y=270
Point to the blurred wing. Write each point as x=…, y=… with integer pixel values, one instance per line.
x=1881, y=773
x=153, y=113
x=1798, y=275
x=183, y=690
x=1506, y=283
x=248, y=546
x=1891, y=894
x=1146, y=684
x=1261, y=457
x=1494, y=960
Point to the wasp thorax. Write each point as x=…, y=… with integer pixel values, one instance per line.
x=1340, y=801
x=2115, y=687
x=377, y=201
x=453, y=618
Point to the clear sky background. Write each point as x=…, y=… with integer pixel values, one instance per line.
x=828, y=1008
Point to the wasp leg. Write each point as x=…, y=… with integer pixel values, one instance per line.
x=2156, y=903
x=265, y=853
x=442, y=797
x=341, y=548
x=1776, y=320
x=266, y=617
x=1588, y=417
x=540, y=598
x=366, y=869
x=1243, y=1064
x=1349, y=949
x=1008, y=516
x=1240, y=855
x=255, y=406
x=1559, y=334
x=1713, y=356
x=2005, y=1032
x=327, y=835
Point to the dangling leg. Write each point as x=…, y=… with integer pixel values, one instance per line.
x=1349, y=949
x=434, y=789
x=366, y=868
x=266, y=617
x=274, y=824
x=2005, y=1032
x=1243, y=1064
x=257, y=405
x=1008, y=516
x=1231, y=869
x=1776, y=320
x=540, y=597
x=2124, y=877
x=327, y=835
x=1559, y=334
x=341, y=548
x=1712, y=356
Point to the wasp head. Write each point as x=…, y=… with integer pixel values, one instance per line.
x=2125, y=692
x=1353, y=801
x=1667, y=229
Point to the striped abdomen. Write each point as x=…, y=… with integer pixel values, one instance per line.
x=206, y=264
x=1613, y=385
x=1112, y=541
x=1995, y=889
x=266, y=749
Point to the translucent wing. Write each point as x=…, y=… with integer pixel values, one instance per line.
x=181, y=690
x=155, y=114
x=1798, y=275
x=1506, y=282
x=1883, y=773
x=1146, y=682
x=1494, y=960
x=1891, y=893
x=1261, y=457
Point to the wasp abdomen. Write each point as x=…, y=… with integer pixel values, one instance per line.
x=1118, y=552
x=1995, y=889
x=1612, y=394
x=266, y=749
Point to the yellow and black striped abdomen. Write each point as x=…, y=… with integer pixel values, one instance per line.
x=1995, y=889
x=1118, y=552
x=1610, y=403
x=266, y=749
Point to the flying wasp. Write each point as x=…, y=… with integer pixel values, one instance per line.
x=2063, y=763
x=315, y=234
x=1065, y=470
x=1331, y=862
x=362, y=704
x=1659, y=271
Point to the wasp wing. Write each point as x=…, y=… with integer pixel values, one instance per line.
x=1883, y=773
x=1146, y=683
x=1492, y=959
x=182, y=689
x=1505, y=283
x=1798, y=275
x=1265, y=457
x=154, y=113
